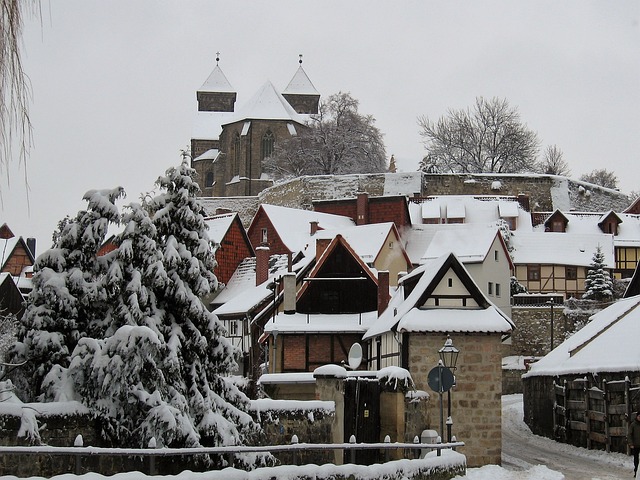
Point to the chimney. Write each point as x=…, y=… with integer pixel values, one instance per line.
x=383, y=291
x=262, y=264
x=289, y=293
x=362, y=209
x=289, y=262
x=321, y=246
x=314, y=227
x=523, y=200
x=31, y=245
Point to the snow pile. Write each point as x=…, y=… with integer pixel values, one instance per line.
x=395, y=378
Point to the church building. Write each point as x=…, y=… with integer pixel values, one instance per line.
x=228, y=145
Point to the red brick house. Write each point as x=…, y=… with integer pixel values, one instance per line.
x=232, y=244
x=17, y=258
x=365, y=210
x=288, y=230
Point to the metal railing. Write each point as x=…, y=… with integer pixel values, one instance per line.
x=78, y=452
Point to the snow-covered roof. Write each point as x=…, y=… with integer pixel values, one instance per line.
x=267, y=104
x=241, y=294
x=219, y=225
x=470, y=243
x=216, y=82
x=7, y=246
x=366, y=240
x=587, y=223
x=211, y=154
x=475, y=209
x=300, y=84
x=293, y=224
x=208, y=125
x=404, y=315
x=552, y=248
x=321, y=323
x=608, y=343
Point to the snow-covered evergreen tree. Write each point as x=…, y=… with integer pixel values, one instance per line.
x=162, y=368
x=598, y=284
x=195, y=337
x=66, y=301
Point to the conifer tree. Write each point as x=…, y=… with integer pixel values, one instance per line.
x=195, y=337
x=66, y=301
x=598, y=284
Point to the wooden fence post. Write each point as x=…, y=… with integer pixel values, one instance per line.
x=294, y=441
x=605, y=394
x=152, y=458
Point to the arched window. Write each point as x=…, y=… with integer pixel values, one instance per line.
x=268, y=142
x=236, y=155
x=208, y=180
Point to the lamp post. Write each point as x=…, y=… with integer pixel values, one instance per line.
x=449, y=357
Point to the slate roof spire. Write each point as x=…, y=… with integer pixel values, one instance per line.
x=216, y=94
x=301, y=93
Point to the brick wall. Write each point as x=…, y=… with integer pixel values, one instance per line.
x=18, y=260
x=231, y=252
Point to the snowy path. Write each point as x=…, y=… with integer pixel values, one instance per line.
x=521, y=450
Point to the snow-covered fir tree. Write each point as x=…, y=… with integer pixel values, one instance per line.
x=122, y=378
x=67, y=301
x=598, y=284
x=195, y=337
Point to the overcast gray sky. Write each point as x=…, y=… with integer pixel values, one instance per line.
x=114, y=81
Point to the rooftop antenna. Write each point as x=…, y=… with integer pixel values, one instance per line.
x=217, y=58
x=300, y=61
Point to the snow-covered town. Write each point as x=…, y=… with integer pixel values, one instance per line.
x=292, y=300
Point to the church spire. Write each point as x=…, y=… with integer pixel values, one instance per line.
x=216, y=94
x=301, y=93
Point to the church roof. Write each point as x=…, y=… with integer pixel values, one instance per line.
x=267, y=104
x=216, y=82
x=300, y=84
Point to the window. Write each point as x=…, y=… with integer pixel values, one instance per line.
x=533, y=272
x=233, y=327
x=490, y=288
x=268, y=142
x=208, y=182
x=236, y=155
x=450, y=282
x=264, y=235
x=498, y=290
x=495, y=255
x=571, y=273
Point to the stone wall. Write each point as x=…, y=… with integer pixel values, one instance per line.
x=476, y=399
x=310, y=421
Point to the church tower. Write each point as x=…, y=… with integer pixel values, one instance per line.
x=216, y=94
x=301, y=94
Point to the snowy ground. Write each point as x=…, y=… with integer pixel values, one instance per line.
x=603, y=465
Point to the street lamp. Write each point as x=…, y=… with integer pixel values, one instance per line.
x=449, y=357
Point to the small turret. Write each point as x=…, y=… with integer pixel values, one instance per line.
x=301, y=94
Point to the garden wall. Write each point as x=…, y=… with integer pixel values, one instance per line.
x=310, y=421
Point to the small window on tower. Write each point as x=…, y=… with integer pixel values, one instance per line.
x=264, y=235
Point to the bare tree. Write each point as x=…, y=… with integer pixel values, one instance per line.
x=339, y=140
x=552, y=163
x=602, y=177
x=15, y=125
x=488, y=138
